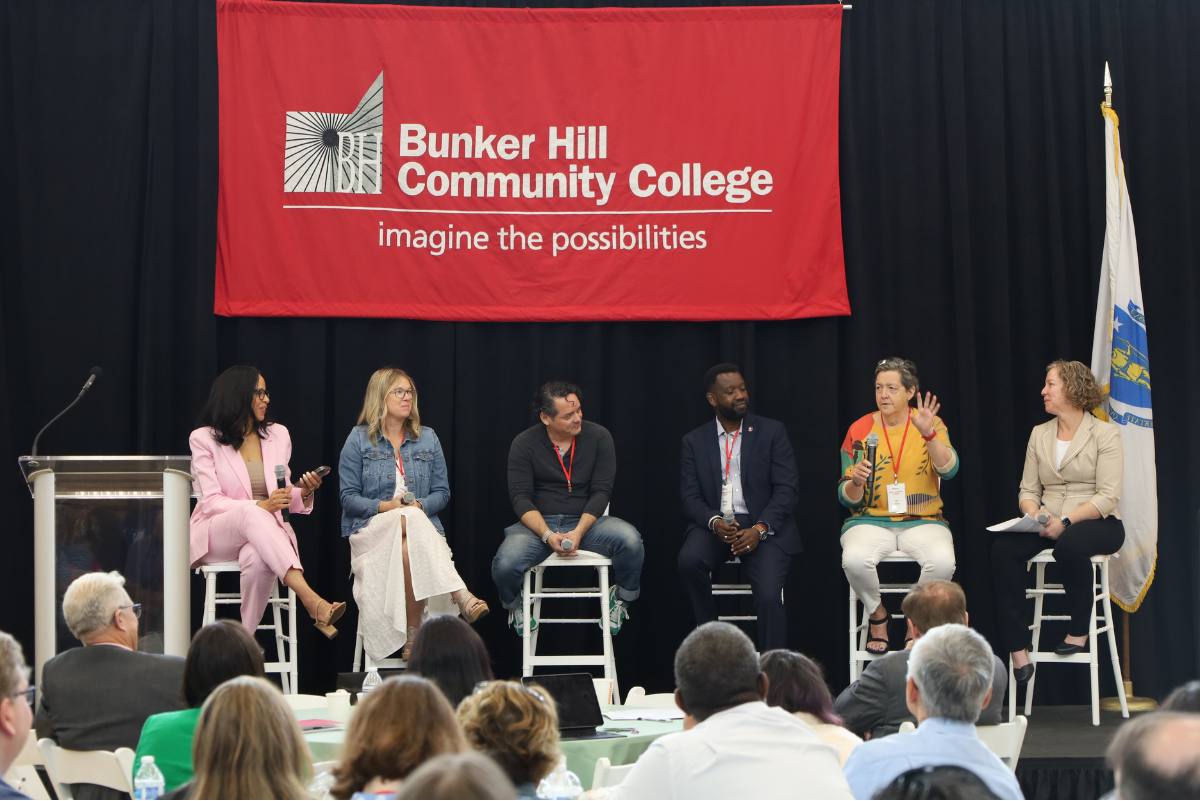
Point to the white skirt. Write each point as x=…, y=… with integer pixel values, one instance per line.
x=377, y=564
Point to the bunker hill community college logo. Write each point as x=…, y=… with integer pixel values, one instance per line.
x=332, y=152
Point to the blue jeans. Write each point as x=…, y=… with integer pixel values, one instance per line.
x=608, y=536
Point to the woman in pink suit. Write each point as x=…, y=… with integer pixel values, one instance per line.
x=234, y=455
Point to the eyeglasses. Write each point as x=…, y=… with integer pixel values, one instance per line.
x=261, y=394
x=402, y=393
x=135, y=608
x=28, y=693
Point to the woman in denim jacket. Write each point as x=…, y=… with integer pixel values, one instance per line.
x=401, y=563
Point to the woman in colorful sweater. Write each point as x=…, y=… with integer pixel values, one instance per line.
x=896, y=502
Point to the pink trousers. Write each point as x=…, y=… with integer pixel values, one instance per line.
x=263, y=548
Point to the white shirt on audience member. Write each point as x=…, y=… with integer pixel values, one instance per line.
x=749, y=751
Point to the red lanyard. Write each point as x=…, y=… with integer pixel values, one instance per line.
x=730, y=442
x=563, y=465
x=399, y=461
x=895, y=459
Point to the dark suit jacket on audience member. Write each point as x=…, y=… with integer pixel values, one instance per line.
x=98, y=697
x=876, y=702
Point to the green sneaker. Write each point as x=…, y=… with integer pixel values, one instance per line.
x=516, y=619
x=618, y=612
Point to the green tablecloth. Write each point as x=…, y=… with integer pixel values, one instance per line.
x=581, y=754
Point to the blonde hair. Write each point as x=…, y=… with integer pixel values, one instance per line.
x=400, y=724
x=375, y=403
x=1079, y=385
x=248, y=744
x=91, y=600
x=514, y=724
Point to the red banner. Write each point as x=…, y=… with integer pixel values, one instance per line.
x=517, y=164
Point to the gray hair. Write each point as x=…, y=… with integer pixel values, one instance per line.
x=91, y=601
x=1154, y=756
x=12, y=665
x=715, y=667
x=953, y=668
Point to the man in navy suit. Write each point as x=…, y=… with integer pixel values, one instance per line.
x=739, y=488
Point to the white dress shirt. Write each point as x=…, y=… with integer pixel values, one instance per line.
x=749, y=751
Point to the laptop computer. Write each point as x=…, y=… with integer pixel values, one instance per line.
x=579, y=715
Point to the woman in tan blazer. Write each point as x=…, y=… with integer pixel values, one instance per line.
x=1071, y=480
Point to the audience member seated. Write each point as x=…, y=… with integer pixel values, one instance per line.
x=451, y=655
x=950, y=675
x=1185, y=698
x=796, y=684
x=220, y=651
x=467, y=775
x=937, y=782
x=1157, y=755
x=517, y=726
x=96, y=698
x=393, y=730
x=874, y=705
x=733, y=745
x=16, y=711
x=248, y=745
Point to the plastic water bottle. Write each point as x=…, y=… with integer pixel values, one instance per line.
x=562, y=783
x=370, y=681
x=149, y=782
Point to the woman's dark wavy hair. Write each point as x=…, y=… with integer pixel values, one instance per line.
x=230, y=405
x=219, y=651
x=797, y=684
x=449, y=653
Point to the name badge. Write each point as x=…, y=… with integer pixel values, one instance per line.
x=897, y=499
x=726, y=498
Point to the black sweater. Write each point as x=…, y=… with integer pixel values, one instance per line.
x=536, y=480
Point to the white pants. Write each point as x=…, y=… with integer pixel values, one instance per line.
x=864, y=545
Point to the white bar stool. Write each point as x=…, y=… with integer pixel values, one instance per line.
x=532, y=608
x=859, y=655
x=734, y=590
x=287, y=663
x=363, y=661
x=1101, y=623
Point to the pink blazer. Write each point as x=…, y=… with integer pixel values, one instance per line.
x=223, y=483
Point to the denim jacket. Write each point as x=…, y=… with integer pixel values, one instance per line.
x=367, y=474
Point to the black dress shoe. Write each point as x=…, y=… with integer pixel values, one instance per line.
x=1024, y=673
x=1065, y=648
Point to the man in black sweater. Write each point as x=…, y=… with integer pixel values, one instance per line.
x=560, y=476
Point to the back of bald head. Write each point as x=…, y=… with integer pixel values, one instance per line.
x=935, y=603
x=1157, y=755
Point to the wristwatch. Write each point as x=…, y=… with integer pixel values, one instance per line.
x=762, y=535
x=546, y=536
x=1066, y=521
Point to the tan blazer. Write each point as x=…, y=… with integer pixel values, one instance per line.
x=1090, y=472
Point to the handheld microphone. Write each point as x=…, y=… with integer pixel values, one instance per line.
x=408, y=499
x=96, y=372
x=566, y=545
x=281, y=480
x=872, y=447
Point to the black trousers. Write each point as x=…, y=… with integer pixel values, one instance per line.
x=767, y=568
x=1072, y=552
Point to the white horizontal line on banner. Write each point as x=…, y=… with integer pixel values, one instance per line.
x=535, y=213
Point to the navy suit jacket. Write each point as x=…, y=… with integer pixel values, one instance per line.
x=770, y=485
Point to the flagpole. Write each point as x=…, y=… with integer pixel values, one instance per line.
x=1133, y=703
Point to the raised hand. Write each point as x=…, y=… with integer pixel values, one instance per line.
x=925, y=413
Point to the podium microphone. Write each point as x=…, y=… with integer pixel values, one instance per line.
x=95, y=373
x=281, y=480
x=872, y=447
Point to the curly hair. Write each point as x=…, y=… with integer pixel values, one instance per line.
x=1079, y=385
x=514, y=724
x=400, y=724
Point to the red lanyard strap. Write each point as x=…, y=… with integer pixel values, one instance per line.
x=730, y=443
x=563, y=465
x=887, y=439
x=399, y=461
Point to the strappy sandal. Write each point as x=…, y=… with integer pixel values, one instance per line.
x=870, y=639
x=326, y=625
x=473, y=609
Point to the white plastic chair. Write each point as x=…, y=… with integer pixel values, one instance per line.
x=859, y=655
x=638, y=698
x=287, y=663
x=23, y=775
x=1002, y=739
x=1101, y=622
x=531, y=600
x=607, y=774
x=604, y=692
x=112, y=769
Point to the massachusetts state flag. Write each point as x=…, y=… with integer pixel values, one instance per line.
x=1121, y=364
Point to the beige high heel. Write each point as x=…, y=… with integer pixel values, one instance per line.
x=473, y=609
x=326, y=626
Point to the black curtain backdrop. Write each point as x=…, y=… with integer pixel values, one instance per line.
x=971, y=162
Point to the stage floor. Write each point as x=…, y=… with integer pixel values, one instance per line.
x=1063, y=754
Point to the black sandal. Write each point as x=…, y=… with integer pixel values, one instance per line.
x=870, y=639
